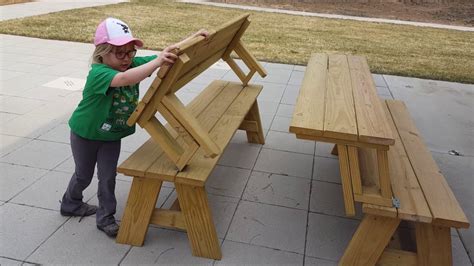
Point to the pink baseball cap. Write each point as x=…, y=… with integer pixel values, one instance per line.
x=115, y=32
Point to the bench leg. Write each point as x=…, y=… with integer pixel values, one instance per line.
x=255, y=132
x=346, y=180
x=140, y=205
x=433, y=244
x=370, y=240
x=199, y=223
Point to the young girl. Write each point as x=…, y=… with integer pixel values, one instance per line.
x=99, y=121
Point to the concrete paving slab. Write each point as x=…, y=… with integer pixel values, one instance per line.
x=48, y=191
x=246, y=254
x=10, y=143
x=326, y=198
x=240, y=155
x=19, y=105
x=272, y=92
x=79, y=242
x=285, y=110
x=296, y=78
x=164, y=247
x=318, y=262
x=284, y=163
x=25, y=228
x=324, y=149
x=288, y=142
x=269, y=226
x=29, y=125
x=16, y=178
x=286, y=191
x=267, y=107
x=281, y=124
x=291, y=94
x=441, y=111
x=326, y=169
x=33, y=153
x=227, y=181
x=328, y=236
x=60, y=133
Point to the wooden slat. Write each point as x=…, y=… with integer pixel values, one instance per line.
x=192, y=126
x=441, y=200
x=140, y=205
x=199, y=223
x=372, y=195
x=369, y=241
x=168, y=218
x=395, y=257
x=213, y=106
x=339, y=120
x=433, y=245
x=344, y=168
x=139, y=162
x=355, y=169
x=372, y=124
x=216, y=41
x=200, y=167
x=308, y=117
x=249, y=59
x=405, y=186
x=342, y=141
x=161, y=135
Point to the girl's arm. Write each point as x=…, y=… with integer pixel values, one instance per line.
x=137, y=74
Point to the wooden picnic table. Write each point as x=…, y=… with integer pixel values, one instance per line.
x=384, y=164
x=338, y=103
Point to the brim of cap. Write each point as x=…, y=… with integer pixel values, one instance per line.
x=125, y=40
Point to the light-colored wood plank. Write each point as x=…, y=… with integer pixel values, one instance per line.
x=405, y=186
x=308, y=116
x=372, y=124
x=199, y=166
x=139, y=162
x=199, y=224
x=355, y=169
x=249, y=59
x=161, y=136
x=168, y=218
x=441, y=200
x=372, y=195
x=379, y=210
x=394, y=257
x=384, y=174
x=342, y=141
x=346, y=180
x=209, y=105
x=233, y=65
x=339, y=117
x=433, y=244
x=192, y=126
x=138, y=211
x=369, y=241
x=255, y=136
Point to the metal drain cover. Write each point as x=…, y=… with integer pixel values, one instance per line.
x=67, y=83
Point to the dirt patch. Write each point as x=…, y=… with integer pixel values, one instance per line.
x=460, y=12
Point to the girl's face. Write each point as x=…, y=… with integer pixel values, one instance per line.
x=120, y=58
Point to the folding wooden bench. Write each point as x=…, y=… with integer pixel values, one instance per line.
x=186, y=150
x=427, y=204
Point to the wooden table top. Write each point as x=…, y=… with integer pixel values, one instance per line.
x=338, y=102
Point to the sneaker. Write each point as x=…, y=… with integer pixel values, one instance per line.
x=110, y=229
x=84, y=210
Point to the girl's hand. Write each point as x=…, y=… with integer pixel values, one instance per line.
x=167, y=55
x=201, y=32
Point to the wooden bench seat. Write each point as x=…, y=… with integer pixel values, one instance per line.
x=425, y=201
x=186, y=150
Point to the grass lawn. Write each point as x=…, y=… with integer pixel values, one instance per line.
x=390, y=49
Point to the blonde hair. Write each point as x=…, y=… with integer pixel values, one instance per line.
x=101, y=50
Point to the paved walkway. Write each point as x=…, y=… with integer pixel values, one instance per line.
x=323, y=15
x=299, y=221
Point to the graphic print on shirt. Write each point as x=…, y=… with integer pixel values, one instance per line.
x=124, y=101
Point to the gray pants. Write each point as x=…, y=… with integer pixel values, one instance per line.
x=86, y=154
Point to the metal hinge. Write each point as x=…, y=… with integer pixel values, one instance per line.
x=395, y=202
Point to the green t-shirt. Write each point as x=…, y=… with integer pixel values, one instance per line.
x=103, y=111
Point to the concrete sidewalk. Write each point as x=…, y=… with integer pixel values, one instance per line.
x=279, y=204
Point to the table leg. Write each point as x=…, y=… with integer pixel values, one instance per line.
x=370, y=240
x=384, y=176
x=433, y=244
x=140, y=205
x=355, y=169
x=346, y=179
x=255, y=135
x=199, y=223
